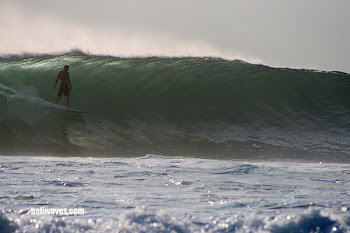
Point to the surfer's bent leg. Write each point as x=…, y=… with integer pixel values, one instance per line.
x=58, y=99
x=67, y=93
x=60, y=92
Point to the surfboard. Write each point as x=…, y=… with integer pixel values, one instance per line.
x=61, y=108
x=67, y=110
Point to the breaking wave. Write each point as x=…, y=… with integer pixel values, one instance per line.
x=201, y=107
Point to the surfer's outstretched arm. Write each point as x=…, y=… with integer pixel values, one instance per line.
x=58, y=77
x=70, y=84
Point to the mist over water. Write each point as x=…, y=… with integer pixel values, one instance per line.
x=302, y=37
x=26, y=32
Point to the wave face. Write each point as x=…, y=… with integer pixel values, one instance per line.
x=201, y=107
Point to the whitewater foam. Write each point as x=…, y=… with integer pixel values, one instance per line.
x=173, y=194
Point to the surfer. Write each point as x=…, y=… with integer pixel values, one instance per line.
x=66, y=85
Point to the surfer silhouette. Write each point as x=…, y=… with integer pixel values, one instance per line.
x=66, y=85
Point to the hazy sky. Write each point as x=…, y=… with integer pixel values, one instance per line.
x=298, y=33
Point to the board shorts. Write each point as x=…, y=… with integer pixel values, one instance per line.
x=64, y=88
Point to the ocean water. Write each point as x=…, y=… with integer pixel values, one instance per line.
x=173, y=145
x=173, y=194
